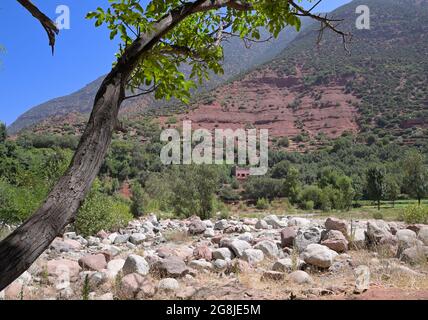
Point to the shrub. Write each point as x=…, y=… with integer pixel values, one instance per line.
x=139, y=200
x=308, y=205
x=263, y=187
x=262, y=204
x=415, y=214
x=18, y=203
x=284, y=142
x=311, y=193
x=193, y=191
x=101, y=212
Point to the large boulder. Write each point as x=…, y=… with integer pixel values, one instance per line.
x=423, y=235
x=300, y=277
x=319, y=255
x=93, y=262
x=59, y=245
x=135, y=285
x=415, y=255
x=362, y=279
x=357, y=238
x=335, y=240
x=376, y=230
x=172, y=267
x=55, y=267
x=307, y=237
x=209, y=233
x=238, y=247
x=221, y=224
x=137, y=238
x=406, y=239
x=197, y=227
x=135, y=264
x=200, y=264
x=269, y=248
x=121, y=239
x=261, y=224
x=288, y=235
x=222, y=253
x=168, y=285
x=253, y=256
x=220, y=265
x=287, y=264
x=337, y=224
x=114, y=267
x=203, y=252
x=274, y=221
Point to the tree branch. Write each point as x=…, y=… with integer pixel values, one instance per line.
x=48, y=24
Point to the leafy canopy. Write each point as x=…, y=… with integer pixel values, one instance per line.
x=195, y=42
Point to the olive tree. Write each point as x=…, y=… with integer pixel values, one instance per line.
x=155, y=41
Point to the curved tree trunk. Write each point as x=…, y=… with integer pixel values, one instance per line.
x=25, y=244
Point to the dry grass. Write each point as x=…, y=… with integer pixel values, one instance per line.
x=177, y=236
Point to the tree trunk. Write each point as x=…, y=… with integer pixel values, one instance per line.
x=20, y=249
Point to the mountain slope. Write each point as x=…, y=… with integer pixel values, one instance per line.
x=238, y=59
x=381, y=88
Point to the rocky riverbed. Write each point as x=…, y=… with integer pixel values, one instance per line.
x=274, y=257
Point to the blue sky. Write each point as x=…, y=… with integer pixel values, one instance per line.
x=30, y=75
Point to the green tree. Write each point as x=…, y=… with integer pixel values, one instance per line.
x=415, y=175
x=376, y=183
x=3, y=132
x=347, y=192
x=194, y=190
x=138, y=198
x=392, y=189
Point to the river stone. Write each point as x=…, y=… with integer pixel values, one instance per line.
x=300, y=277
x=238, y=247
x=168, y=285
x=253, y=256
x=261, y=224
x=423, y=235
x=337, y=224
x=197, y=227
x=307, y=237
x=269, y=248
x=135, y=264
x=335, y=240
x=137, y=238
x=319, y=255
x=172, y=267
x=362, y=281
x=222, y=253
x=288, y=235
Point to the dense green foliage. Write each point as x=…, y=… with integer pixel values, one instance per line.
x=333, y=178
x=101, y=212
x=415, y=175
x=415, y=214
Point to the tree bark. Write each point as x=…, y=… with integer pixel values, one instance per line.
x=49, y=26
